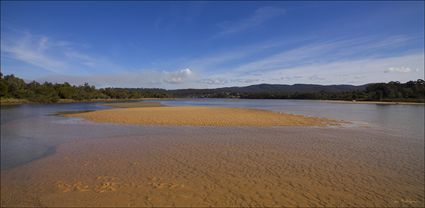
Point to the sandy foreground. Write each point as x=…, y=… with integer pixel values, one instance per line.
x=225, y=166
x=200, y=116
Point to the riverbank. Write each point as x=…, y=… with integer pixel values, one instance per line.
x=373, y=102
x=14, y=101
x=200, y=116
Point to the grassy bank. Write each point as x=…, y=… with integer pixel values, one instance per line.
x=13, y=101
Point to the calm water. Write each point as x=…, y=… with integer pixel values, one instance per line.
x=408, y=119
x=29, y=132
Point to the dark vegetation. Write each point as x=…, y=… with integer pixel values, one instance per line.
x=14, y=87
x=412, y=91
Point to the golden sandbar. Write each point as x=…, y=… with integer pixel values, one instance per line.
x=201, y=116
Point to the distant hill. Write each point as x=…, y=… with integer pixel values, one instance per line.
x=301, y=88
x=265, y=88
x=12, y=87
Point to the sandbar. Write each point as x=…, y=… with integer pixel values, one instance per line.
x=201, y=116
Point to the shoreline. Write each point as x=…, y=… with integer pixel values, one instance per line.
x=371, y=102
x=13, y=101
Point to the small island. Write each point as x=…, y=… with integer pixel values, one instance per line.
x=198, y=116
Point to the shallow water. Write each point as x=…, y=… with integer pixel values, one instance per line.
x=377, y=161
x=163, y=166
x=405, y=119
x=29, y=132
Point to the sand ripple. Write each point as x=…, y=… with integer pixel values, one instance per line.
x=207, y=166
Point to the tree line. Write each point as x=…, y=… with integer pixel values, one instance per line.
x=411, y=91
x=14, y=87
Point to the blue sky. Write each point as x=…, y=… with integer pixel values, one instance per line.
x=212, y=44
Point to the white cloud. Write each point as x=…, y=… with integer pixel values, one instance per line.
x=401, y=69
x=219, y=60
x=359, y=71
x=246, y=81
x=62, y=59
x=56, y=56
x=260, y=16
x=177, y=77
x=319, y=53
x=31, y=50
x=213, y=81
x=143, y=79
x=343, y=61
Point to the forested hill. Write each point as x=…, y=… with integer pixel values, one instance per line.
x=412, y=91
x=267, y=90
x=296, y=88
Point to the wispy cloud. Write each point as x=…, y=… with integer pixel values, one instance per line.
x=220, y=60
x=260, y=16
x=142, y=79
x=358, y=71
x=32, y=51
x=355, y=61
x=258, y=58
x=66, y=62
x=401, y=69
x=56, y=56
x=213, y=81
x=323, y=52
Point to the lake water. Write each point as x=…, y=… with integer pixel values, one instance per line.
x=406, y=119
x=29, y=132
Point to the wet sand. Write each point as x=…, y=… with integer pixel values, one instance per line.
x=226, y=166
x=201, y=116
